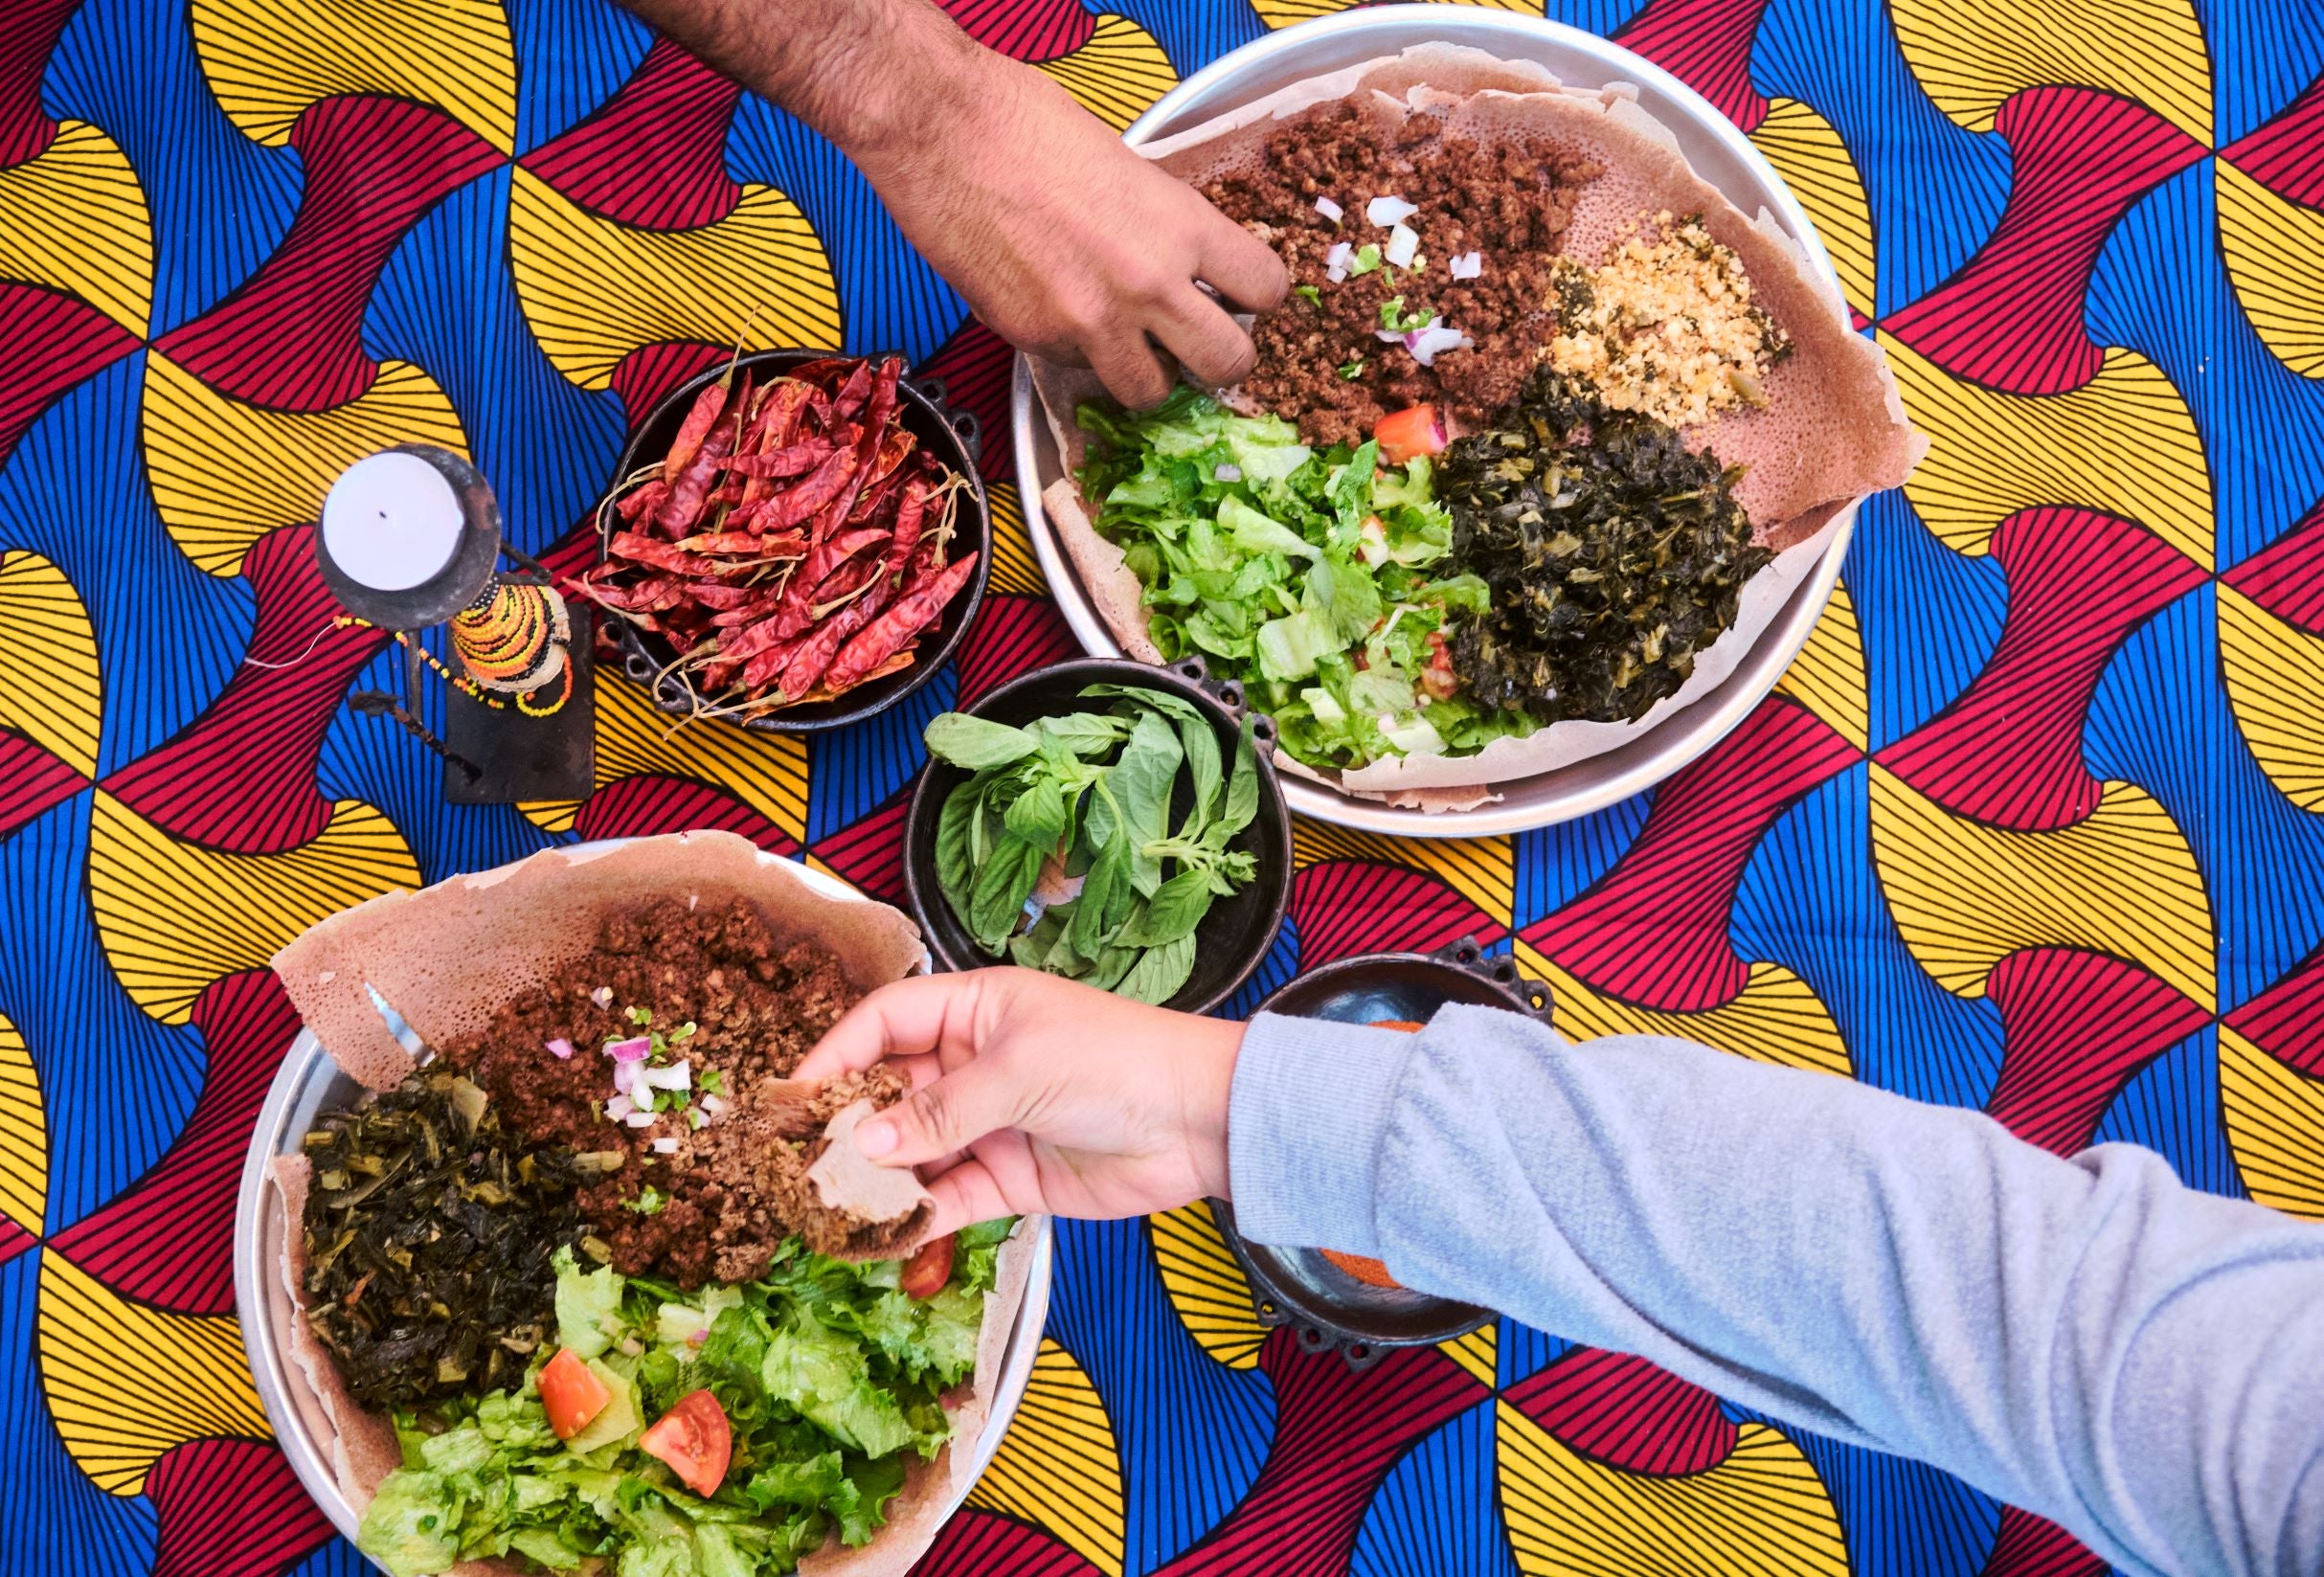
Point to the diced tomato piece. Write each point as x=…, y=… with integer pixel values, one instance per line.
x=1405, y=435
x=572, y=1394
x=929, y=1267
x=695, y=1439
x=1438, y=679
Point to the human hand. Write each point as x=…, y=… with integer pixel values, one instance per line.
x=1067, y=245
x=1035, y=1094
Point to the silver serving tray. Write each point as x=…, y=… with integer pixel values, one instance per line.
x=1718, y=154
x=308, y=1082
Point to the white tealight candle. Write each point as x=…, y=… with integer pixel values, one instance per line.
x=390, y=522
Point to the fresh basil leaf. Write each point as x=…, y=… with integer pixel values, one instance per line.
x=1175, y=910
x=956, y=868
x=1141, y=782
x=976, y=742
x=997, y=904
x=1200, y=741
x=1033, y=947
x=1037, y=816
x=1242, y=790
x=1085, y=733
x=1108, y=876
x=1111, y=965
x=1159, y=973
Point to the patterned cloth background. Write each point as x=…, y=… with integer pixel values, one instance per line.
x=2036, y=825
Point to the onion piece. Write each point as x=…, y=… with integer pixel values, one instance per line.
x=666, y=1145
x=1389, y=210
x=1467, y=266
x=1228, y=473
x=1425, y=343
x=560, y=1049
x=619, y=1108
x=1388, y=336
x=714, y=1105
x=602, y=996
x=1330, y=210
x=639, y=1120
x=1403, y=246
x=678, y=1075
x=634, y=1050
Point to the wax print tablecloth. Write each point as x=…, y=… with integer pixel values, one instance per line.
x=2036, y=824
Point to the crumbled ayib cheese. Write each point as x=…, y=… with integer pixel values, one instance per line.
x=1665, y=327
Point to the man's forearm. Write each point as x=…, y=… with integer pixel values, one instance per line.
x=869, y=75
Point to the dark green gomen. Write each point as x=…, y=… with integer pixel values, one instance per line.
x=429, y=1233
x=1613, y=554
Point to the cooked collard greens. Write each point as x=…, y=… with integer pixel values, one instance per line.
x=430, y=1234
x=1613, y=553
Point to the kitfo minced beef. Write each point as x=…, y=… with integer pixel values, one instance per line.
x=735, y=1187
x=1320, y=362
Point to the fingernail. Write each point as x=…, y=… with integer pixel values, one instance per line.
x=875, y=1139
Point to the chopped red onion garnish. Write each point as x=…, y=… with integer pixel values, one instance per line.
x=560, y=1049
x=1426, y=343
x=619, y=1108
x=1390, y=210
x=1467, y=266
x=602, y=996
x=714, y=1105
x=634, y=1050
x=1228, y=473
x=1329, y=210
x=1403, y=246
x=678, y=1075
x=639, y=1120
x=667, y=1145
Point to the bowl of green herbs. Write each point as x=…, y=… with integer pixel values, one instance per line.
x=1107, y=821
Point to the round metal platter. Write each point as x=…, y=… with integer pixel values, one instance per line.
x=308, y=1082
x=1718, y=154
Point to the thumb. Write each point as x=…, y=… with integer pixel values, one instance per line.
x=940, y=1119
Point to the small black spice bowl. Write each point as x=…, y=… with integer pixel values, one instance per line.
x=1233, y=938
x=1327, y=1309
x=952, y=436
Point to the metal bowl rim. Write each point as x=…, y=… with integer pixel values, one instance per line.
x=1680, y=739
x=306, y=1060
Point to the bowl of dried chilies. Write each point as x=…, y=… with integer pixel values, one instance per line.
x=795, y=541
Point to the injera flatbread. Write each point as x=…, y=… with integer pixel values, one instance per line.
x=1834, y=429
x=362, y=1449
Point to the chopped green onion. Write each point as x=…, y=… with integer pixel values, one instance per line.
x=638, y=1015
x=649, y=1201
x=713, y=1082
x=1315, y=297
x=1352, y=370
x=1367, y=258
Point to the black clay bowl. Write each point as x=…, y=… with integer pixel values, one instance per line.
x=950, y=436
x=1327, y=1308
x=1234, y=937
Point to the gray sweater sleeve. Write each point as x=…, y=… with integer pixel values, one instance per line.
x=2085, y=1338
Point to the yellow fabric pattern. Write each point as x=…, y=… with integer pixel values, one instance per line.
x=1015, y=569
x=1778, y=1019
x=186, y=1372
x=1828, y=675
x=1816, y=166
x=1118, y=74
x=2123, y=442
x=268, y=59
x=2275, y=1127
x=1481, y=870
x=1966, y=895
x=1479, y=1352
x=75, y=217
x=1972, y=57
x=2275, y=685
x=49, y=686
x=1762, y=1512
x=2274, y=252
x=226, y=472
x=1206, y=1287
x=766, y=771
x=173, y=917
x=1058, y=1466
x=592, y=290
x=24, y=1135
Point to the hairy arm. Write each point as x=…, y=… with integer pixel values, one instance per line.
x=1058, y=237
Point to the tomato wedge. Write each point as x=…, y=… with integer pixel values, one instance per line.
x=929, y=1267
x=572, y=1394
x=695, y=1439
x=1405, y=435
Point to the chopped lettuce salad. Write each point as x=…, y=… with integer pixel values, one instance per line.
x=829, y=1375
x=1311, y=576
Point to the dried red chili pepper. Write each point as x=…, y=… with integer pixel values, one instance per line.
x=805, y=670
x=640, y=502
x=700, y=418
x=913, y=610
